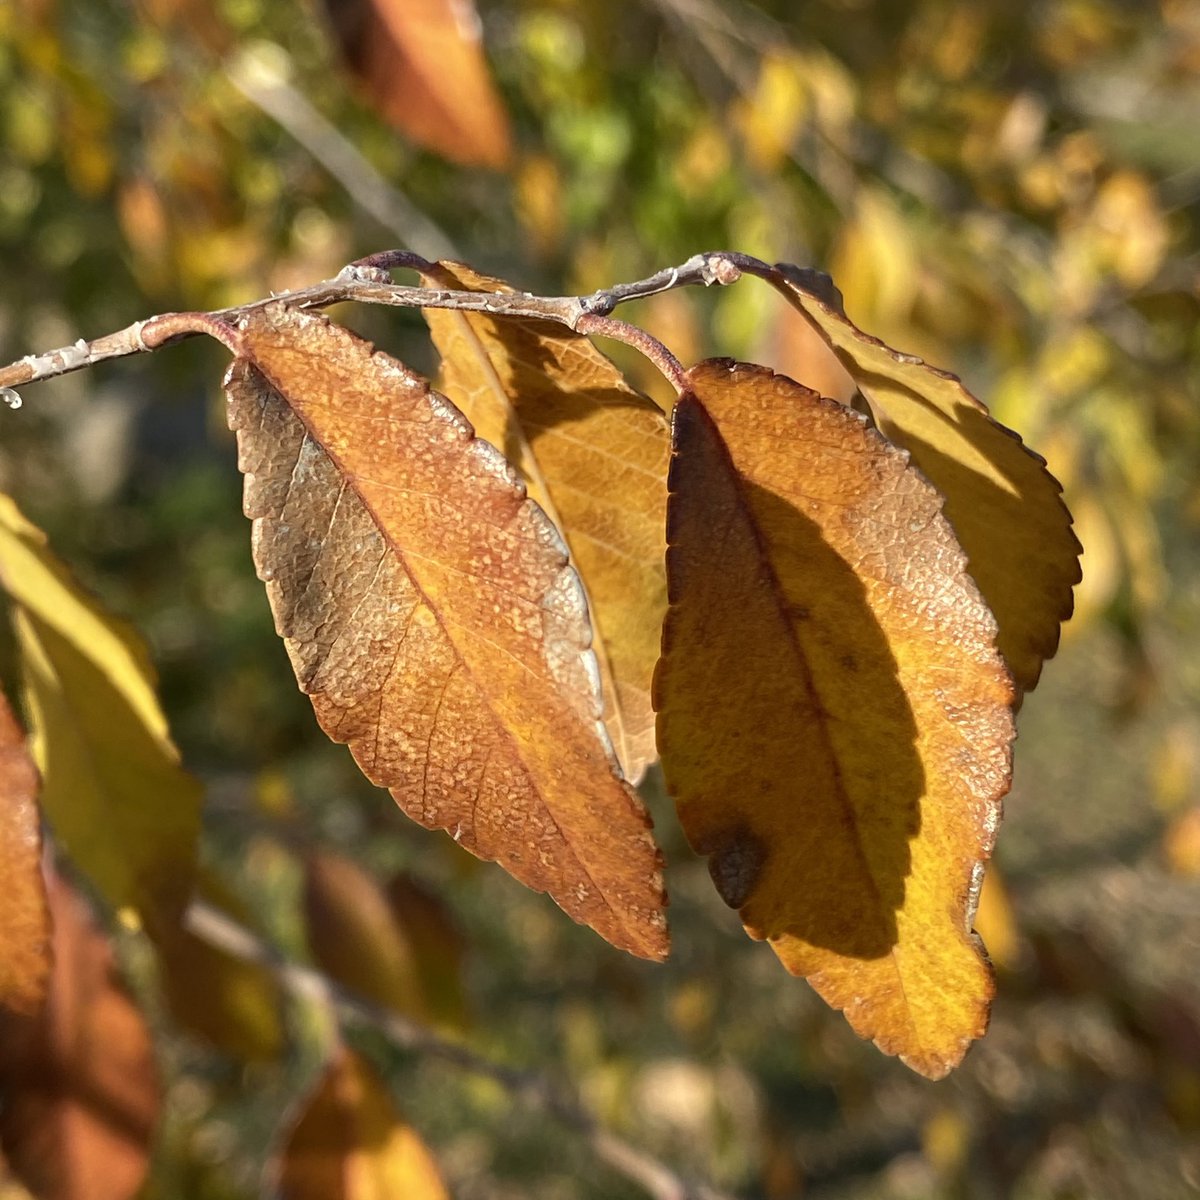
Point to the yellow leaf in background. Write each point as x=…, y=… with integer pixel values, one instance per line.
x=699, y=164
x=1181, y=843
x=24, y=921
x=1131, y=228
x=234, y=1004
x=996, y=922
x=113, y=789
x=1105, y=572
x=421, y=64
x=593, y=453
x=350, y=1143
x=834, y=720
x=538, y=200
x=769, y=119
x=1005, y=506
x=878, y=259
x=1175, y=764
x=946, y=1140
x=87, y=144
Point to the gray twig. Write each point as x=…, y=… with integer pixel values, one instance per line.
x=367, y=281
x=657, y=1179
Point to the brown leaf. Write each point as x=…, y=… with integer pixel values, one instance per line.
x=593, y=453
x=421, y=64
x=834, y=719
x=438, y=947
x=350, y=1144
x=1006, y=508
x=360, y=936
x=234, y=1004
x=79, y=1082
x=430, y=613
x=24, y=922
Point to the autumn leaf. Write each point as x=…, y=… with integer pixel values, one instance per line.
x=24, y=922
x=350, y=1143
x=593, y=453
x=438, y=948
x=80, y=1087
x=112, y=786
x=421, y=64
x=1005, y=506
x=430, y=613
x=233, y=1004
x=834, y=719
x=359, y=935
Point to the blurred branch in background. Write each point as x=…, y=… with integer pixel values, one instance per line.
x=260, y=74
x=655, y=1178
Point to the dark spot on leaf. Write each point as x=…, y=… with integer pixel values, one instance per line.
x=848, y=662
x=736, y=865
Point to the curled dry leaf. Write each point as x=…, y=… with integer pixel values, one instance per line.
x=117, y=798
x=24, y=922
x=350, y=1143
x=834, y=719
x=80, y=1087
x=421, y=64
x=1005, y=506
x=432, y=616
x=593, y=453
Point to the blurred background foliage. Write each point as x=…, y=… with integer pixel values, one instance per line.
x=1010, y=188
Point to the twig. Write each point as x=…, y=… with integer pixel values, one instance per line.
x=367, y=281
x=656, y=1178
x=257, y=76
x=639, y=339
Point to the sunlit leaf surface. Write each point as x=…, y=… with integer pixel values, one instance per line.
x=1005, y=506
x=112, y=786
x=593, y=453
x=834, y=719
x=432, y=616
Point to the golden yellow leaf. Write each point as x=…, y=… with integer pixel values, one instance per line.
x=350, y=1143
x=80, y=1087
x=112, y=786
x=834, y=719
x=432, y=616
x=421, y=63
x=593, y=453
x=1181, y=843
x=1005, y=506
x=24, y=923
x=770, y=118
